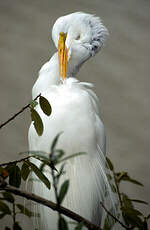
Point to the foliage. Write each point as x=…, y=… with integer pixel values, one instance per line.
x=14, y=173
x=132, y=217
x=37, y=121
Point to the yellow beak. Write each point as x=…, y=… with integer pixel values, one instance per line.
x=63, y=55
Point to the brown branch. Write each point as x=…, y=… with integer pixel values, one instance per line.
x=14, y=162
x=49, y=204
x=16, y=114
x=117, y=220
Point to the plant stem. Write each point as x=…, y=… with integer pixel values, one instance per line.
x=55, y=185
x=109, y=213
x=16, y=114
x=14, y=162
x=49, y=204
x=56, y=192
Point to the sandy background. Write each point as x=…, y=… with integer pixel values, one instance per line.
x=120, y=74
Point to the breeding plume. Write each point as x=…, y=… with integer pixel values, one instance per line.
x=75, y=112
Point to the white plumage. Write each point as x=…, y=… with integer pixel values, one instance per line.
x=75, y=112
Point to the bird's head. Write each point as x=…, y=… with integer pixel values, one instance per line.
x=78, y=36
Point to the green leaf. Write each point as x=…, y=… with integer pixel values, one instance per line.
x=14, y=175
x=43, y=158
x=37, y=121
x=63, y=190
x=126, y=177
x=58, y=153
x=42, y=165
x=120, y=175
x=139, y=201
x=110, y=164
x=113, y=188
x=8, y=196
x=127, y=203
x=131, y=216
x=33, y=104
x=25, y=171
x=131, y=211
x=72, y=156
x=39, y=174
x=79, y=226
x=61, y=172
x=55, y=142
x=24, y=210
x=109, y=176
x=62, y=224
x=55, y=156
x=4, y=208
x=109, y=222
x=45, y=105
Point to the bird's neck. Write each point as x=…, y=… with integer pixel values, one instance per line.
x=73, y=69
x=49, y=75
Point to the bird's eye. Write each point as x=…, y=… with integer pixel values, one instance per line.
x=78, y=37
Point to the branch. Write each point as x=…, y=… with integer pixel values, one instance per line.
x=54, y=181
x=49, y=204
x=117, y=220
x=55, y=187
x=14, y=162
x=16, y=114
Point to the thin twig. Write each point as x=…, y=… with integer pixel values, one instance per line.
x=49, y=204
x=16, y=114
x=14, y=162
x=110, y=214
x=55, y=187
x=54, y=179
x=55, y=184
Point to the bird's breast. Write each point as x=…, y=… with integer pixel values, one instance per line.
x=72, y=114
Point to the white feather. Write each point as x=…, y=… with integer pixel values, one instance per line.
x=75, y=111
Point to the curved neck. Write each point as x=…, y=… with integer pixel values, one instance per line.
x=48, y=76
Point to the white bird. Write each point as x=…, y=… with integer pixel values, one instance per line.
x=78, y=36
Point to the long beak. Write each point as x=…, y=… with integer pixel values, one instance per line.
x=63, y=55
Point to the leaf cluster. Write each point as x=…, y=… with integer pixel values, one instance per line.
x=132, y=217
x=57, y=156
x=16, y=172
x=47, y=110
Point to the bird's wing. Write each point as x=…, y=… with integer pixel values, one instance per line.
x=99, y=127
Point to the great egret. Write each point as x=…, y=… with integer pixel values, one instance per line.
x=78, y=36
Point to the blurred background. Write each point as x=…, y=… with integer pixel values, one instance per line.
x=120, y=73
